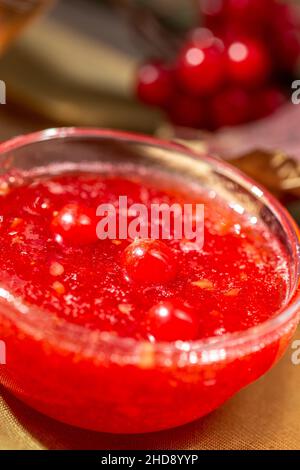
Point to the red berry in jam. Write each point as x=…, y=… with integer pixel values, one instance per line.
x=188, y=112
x=168, y=321
x=200, y=66
x=248, y=63
x=149, y=261
x=230, y=107
x=154, y=84
x=75, y=224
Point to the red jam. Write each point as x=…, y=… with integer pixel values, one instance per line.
x=154, y=290
x=51, y=258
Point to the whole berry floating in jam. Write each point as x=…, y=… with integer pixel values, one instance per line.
x=235, y=67
x=170, y=321
x=149, y=261
x=75, y=224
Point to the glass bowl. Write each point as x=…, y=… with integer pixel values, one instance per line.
x=98, y=381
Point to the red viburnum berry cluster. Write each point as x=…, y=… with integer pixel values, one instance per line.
x=230, y=71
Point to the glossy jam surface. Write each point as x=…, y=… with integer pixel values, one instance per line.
x=51, y=258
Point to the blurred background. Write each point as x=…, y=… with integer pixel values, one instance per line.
x=69, y=62
x=216, y=74
x=153, y=66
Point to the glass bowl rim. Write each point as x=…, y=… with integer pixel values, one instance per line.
x=237, y=342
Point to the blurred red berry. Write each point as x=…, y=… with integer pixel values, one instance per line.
x=188, y=112
x=154, y=84
x=248, y=62
x=200, y=66
x=267, y=101
x=248, y=11
x=201, y=36
x=261, y=37
x=285, y=37
x=213, y=14
x=289, y=50
x=285, y=16
x=236, y=16
x=230, y=107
